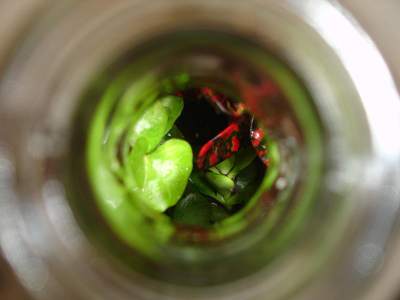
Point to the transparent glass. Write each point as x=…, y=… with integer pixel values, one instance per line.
x=341, y=161
x=267, y=221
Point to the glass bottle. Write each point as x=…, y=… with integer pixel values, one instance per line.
x=338, y=180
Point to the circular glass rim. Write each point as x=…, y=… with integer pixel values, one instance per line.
x=332, y=54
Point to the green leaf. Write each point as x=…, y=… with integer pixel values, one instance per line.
x=197, y=210
x=182, y=80
x=166, y=173
x=135, y=166
x=158, y=169
x=233, y=165
x=174, y=106
x=226, y=166
x=246, y=184
x=177, y=82
x=202, y=185
x=222, y=183
x=243, y=159
x=231, y=181
x=247, y=176
x=151, y=126
x=156, y=121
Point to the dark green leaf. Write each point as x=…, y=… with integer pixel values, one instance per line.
x=197, y=210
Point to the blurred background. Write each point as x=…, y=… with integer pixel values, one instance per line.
x=381, y=21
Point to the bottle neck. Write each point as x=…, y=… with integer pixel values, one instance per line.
x=323, y=154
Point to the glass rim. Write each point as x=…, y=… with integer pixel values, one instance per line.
x=376, y=125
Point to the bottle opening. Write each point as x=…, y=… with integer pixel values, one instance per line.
x=195, y=142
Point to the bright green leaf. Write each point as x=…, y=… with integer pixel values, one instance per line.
x=222, y=183
x=166, y=173
x=174, y=107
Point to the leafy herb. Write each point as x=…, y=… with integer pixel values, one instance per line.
x=232, y=181
x=160, y=166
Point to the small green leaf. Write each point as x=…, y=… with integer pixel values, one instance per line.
x=182, y=80
x=233, y=165
x=136, y=163
x=246, y=184
x=243, y=159
x=197, y=210
x=247, y=176
x=231, y=181
x=151, y=125
x=158, y=168
x=174, y=107
x=166, y=173
x=222, y=183
x=226, y=166
x=177, y=82
x=156, y=121
x=203, y=187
